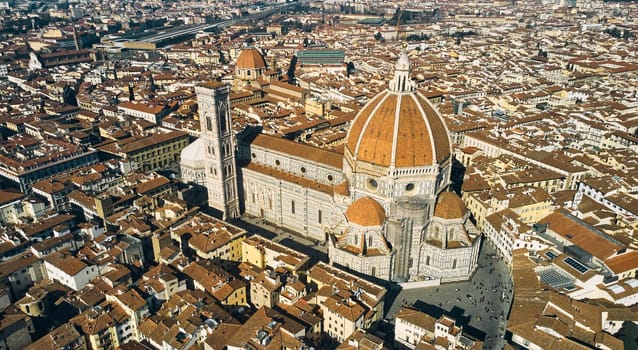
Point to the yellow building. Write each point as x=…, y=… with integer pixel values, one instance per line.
x=347, y=302
x=150, y=152
x=478, y=203
x=530, y=203
x=101, y=324
x=34, y=303
x=232, y=293
x=264, y=254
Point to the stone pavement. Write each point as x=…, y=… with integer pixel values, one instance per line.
x=317, y=251
x=479, y=305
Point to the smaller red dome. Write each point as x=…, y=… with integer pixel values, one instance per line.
x=449, y=206
x=366, y=212
x=251, y=58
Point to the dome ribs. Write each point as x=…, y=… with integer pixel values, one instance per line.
x=438, y=130
x=414, y=146
x=399, y=129
x=376, y=141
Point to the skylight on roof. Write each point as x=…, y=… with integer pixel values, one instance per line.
x=632, y=282
x=616, y=289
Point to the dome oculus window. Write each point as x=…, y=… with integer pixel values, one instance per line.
x=330, y=178
x=409, y=187
x=277, y=162
x=303, y=170
x=372, y=185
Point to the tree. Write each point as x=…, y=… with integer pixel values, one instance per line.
x=291, y=70
x=615, y=32
x=68, y=95
x=626, y=34
x=417, y=37
x=350, y=69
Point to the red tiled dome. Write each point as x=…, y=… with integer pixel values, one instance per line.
x=399, y=127
x=449, y=206
x=366, y=212
x=251, y=58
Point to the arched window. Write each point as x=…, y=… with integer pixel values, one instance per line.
x=209, y=124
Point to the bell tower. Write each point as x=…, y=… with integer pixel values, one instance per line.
x=219, y=160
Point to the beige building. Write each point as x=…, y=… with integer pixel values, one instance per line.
x=265, y=290
x=348, y=303
x=416, y=329
x=530, y=203
x=211, y=239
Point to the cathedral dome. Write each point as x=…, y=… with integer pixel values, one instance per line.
x=449, y=206
x=251, y=58
x=399, y=127
x=366, y=212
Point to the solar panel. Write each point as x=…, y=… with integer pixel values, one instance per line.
x=550, y=255
x=576, y=265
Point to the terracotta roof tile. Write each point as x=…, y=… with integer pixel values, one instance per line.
x=325, y=157
x=449, y=206
x=250, y=59
x=400, y=129
x=582, y=235
x=10, y=196
x=366, y=212
x=624, y=262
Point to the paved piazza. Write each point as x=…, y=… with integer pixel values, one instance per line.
x=479, y=305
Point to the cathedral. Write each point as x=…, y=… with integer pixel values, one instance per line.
x=383, y=206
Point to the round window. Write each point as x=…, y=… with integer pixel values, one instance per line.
x=254, y=156
x=330, y=178
x=303, y=170
x=277, y=162
x=409, y=187
x=372, y=185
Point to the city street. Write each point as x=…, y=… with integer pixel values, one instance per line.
x=479, y=305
